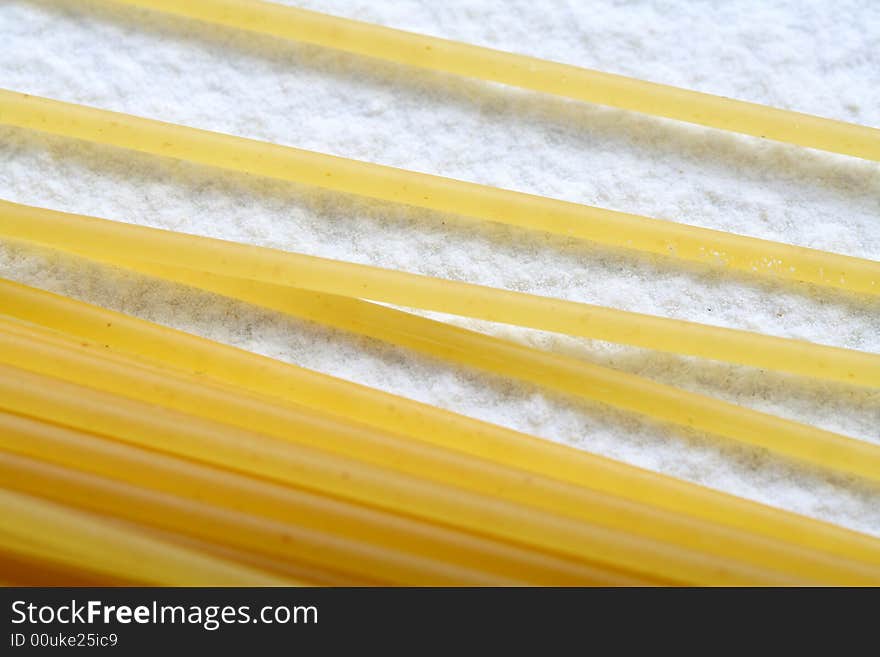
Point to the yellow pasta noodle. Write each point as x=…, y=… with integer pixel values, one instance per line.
x=530, y=73
x=35, y=352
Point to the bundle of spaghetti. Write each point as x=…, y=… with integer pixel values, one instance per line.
x=529, y=73
x=72, y=405
x=131, y=453
x=290, y=527
x=619, y=229
x=264, y=376
x=263, y=457
x=40, y=352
